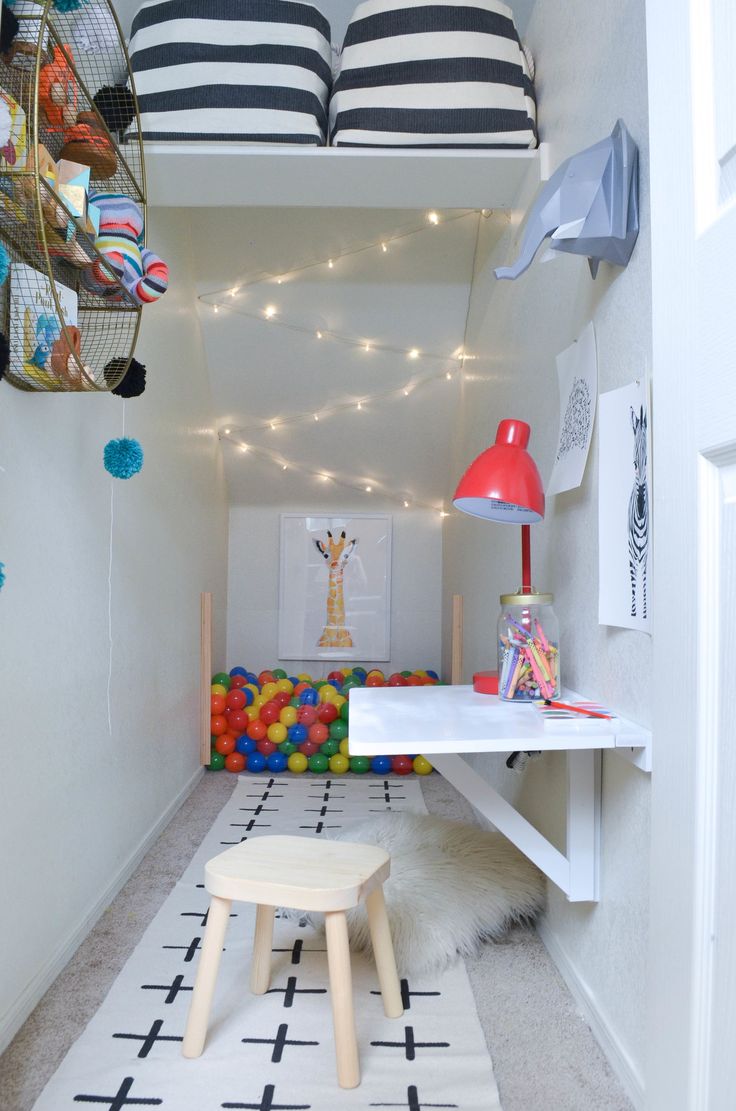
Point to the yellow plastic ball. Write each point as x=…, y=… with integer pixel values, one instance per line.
x=297, y=762
x=327, y=693
x=377, y=671
x=344, y=749
x=339, y=764
x=286, y=686
x=422, y=766
x=217, y=688
x=422, y=674
x=303, y=677
x=276, y=733
x=287, y=716
x=259, y=701
x=268, y=690
x=252, y=688
x=253, y=712
x=339, y=701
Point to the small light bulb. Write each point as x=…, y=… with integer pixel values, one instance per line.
x=384, y=247
x=406, y=505
x=360, y=405
x=234, y=291
x=366, y=347
x=330, y=263
x=443, y=514
x=279, y=281
x=414, y=353
x=368, y=489
x=284, y=467
x=227, y=431
x=319, y=335
x=448, y=376
x=406, y=393
x=273, y=425
x=270, y=310
x=316, y=417
x=243, y=447
x=217, y=308
x=433, y=218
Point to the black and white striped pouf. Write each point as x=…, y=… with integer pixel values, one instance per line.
x=255, y=71
x=417, y=73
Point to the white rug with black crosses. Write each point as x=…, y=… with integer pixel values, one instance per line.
x=274, y=1052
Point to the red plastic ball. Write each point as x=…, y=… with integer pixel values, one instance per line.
x=256, y=730
x=374, y=681
x=402, y=765
x=235, y=762
x=270, y=712
x=218, y=725
x=397, y=680
x=327, y=712
x=237, y=721
x=306, y=715
x=237, y=681
x=318, y=733
x=235, y=700
x=336, y=675
x=283, y=698
x=265, y=677
x=413, y=681
x=225, y=744
x=265, y=747
x=309, y=748
x=217, y=704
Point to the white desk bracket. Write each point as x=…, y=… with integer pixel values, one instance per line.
x=577, y=873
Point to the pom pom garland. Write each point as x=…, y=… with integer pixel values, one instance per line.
x=68, y=5
x=4, y=264
x=116, y=105
x=133, y=382
x=4, y=354
x=123, y=458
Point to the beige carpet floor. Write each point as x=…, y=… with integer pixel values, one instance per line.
x=544, y=1056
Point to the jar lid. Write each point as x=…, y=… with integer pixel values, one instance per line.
x=527, y=599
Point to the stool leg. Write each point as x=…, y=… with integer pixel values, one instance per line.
x=341, y=990
x=260, y=968
x=204, y=984
x=383, y=951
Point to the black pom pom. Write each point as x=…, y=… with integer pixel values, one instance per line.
x=8, y=28
x=116, y=105
x=134, y=382
x=4, y=354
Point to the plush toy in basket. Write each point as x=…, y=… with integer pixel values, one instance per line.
x=141, y=273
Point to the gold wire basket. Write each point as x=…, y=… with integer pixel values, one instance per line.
x=63, y=337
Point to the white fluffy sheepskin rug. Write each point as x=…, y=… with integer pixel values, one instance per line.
x=451, y=886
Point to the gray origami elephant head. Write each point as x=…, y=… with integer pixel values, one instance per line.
x=590, y=206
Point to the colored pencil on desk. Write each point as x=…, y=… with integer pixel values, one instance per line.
x=575, y=709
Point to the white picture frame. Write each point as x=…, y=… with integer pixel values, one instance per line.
x=335, y=591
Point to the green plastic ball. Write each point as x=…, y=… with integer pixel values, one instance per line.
x=406, y=674
x=318, y=683
x=223, y=678
x=360, y=764
x=345, y=711
x=287, y=748
x=279, y=673
x=330, y=748
x=338, y=730
x=294, y=702
x=318, y=763
x=217, y=762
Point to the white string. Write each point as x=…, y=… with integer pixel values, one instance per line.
x=109, y=595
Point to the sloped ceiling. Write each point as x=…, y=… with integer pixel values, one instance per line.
x=412, y=295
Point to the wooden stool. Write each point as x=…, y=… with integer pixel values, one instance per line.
x=293, y=872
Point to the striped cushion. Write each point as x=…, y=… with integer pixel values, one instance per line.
x=420, y=74
x=255, y=71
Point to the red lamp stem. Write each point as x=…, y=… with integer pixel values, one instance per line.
x=526, y=560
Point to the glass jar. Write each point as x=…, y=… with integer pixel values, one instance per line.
x=528, y=648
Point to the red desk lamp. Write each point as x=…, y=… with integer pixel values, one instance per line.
x=503, y=484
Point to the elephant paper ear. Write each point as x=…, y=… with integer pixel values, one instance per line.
x=590, y=206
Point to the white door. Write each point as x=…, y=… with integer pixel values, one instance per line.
x=692, y=82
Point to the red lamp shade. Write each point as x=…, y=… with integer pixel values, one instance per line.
x=503, y=483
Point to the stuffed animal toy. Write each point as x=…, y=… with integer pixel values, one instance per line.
x=141, y=273
x=87, y=141
x=57, y=91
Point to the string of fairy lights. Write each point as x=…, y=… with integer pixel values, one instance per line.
x=224, y=300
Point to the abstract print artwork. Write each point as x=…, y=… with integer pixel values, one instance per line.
x=577, y=372
x=624, y=508
x=334, y=600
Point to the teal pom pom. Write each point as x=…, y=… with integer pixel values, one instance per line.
x=123, y=458
x=4, y=265
x=68, y=5
x=2, y=575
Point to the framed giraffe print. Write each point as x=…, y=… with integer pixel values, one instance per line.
x=335, y=587
x=624, y=508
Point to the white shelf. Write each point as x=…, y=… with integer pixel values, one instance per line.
x=195, y=175
x=443, y=722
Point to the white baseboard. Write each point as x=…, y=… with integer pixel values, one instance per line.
x=617, y=1056
x=13, y=1019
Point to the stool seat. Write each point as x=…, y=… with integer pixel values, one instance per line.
x=290, y=872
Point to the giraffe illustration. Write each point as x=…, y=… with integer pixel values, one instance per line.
x=338, y=552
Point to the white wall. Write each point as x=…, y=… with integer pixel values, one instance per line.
x=77, y=800
x=591, y=69
x=253, y=590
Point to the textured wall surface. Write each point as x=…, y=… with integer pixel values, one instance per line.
x=253, y=589
x=591, y=69
x=80, y=791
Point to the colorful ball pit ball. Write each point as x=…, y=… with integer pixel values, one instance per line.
x=256, y=762
x=309, y=697
x=235, y=700
x=318, y=763
x=338, y=730
x=217, y=688
x=217, y=704
x=297, y=733
x=276, y=762
x=218, y=725
x=237, y=682
x=381, y=765
x=360, y=764
x=245, y=745
x=422, y=766
x=238, y=671
x=402, y=765
x=297, y=763
x=235, y=762
x=339, y=764
x=223, y=679
x=217, y=762
x=225, y=744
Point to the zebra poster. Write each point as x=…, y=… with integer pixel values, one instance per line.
x=624, y=508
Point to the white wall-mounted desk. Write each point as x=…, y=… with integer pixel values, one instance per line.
x=445, y=721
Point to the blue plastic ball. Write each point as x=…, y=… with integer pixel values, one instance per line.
x=297, y=733
x=238, y=671
x=293, y=680
x=335, y=683
x=361, y=673
x=252, y=679
x=381, y=765
x=249, y=696
x=432, y=674
x=276, y=762
x=123, y=458
x=256, y=762
x=309, y=697
x=245, y=745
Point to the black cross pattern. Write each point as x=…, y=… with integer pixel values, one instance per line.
x=410, y=1046
x=406, y=994
x=260, y=809
x=326, y=797
x=251, y=824
x=291, y=990
x=268, y=784
x=296, y=955
x=190, y=949
x=120, y=1099
x=323, y=811
x=239, y=842
x=267, y=1103
x=386, y=787
x=278, y=1042
x=173, y=988
x=321, y=826
x=149, y=1040
x=413, y=1104
x=198, y=914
